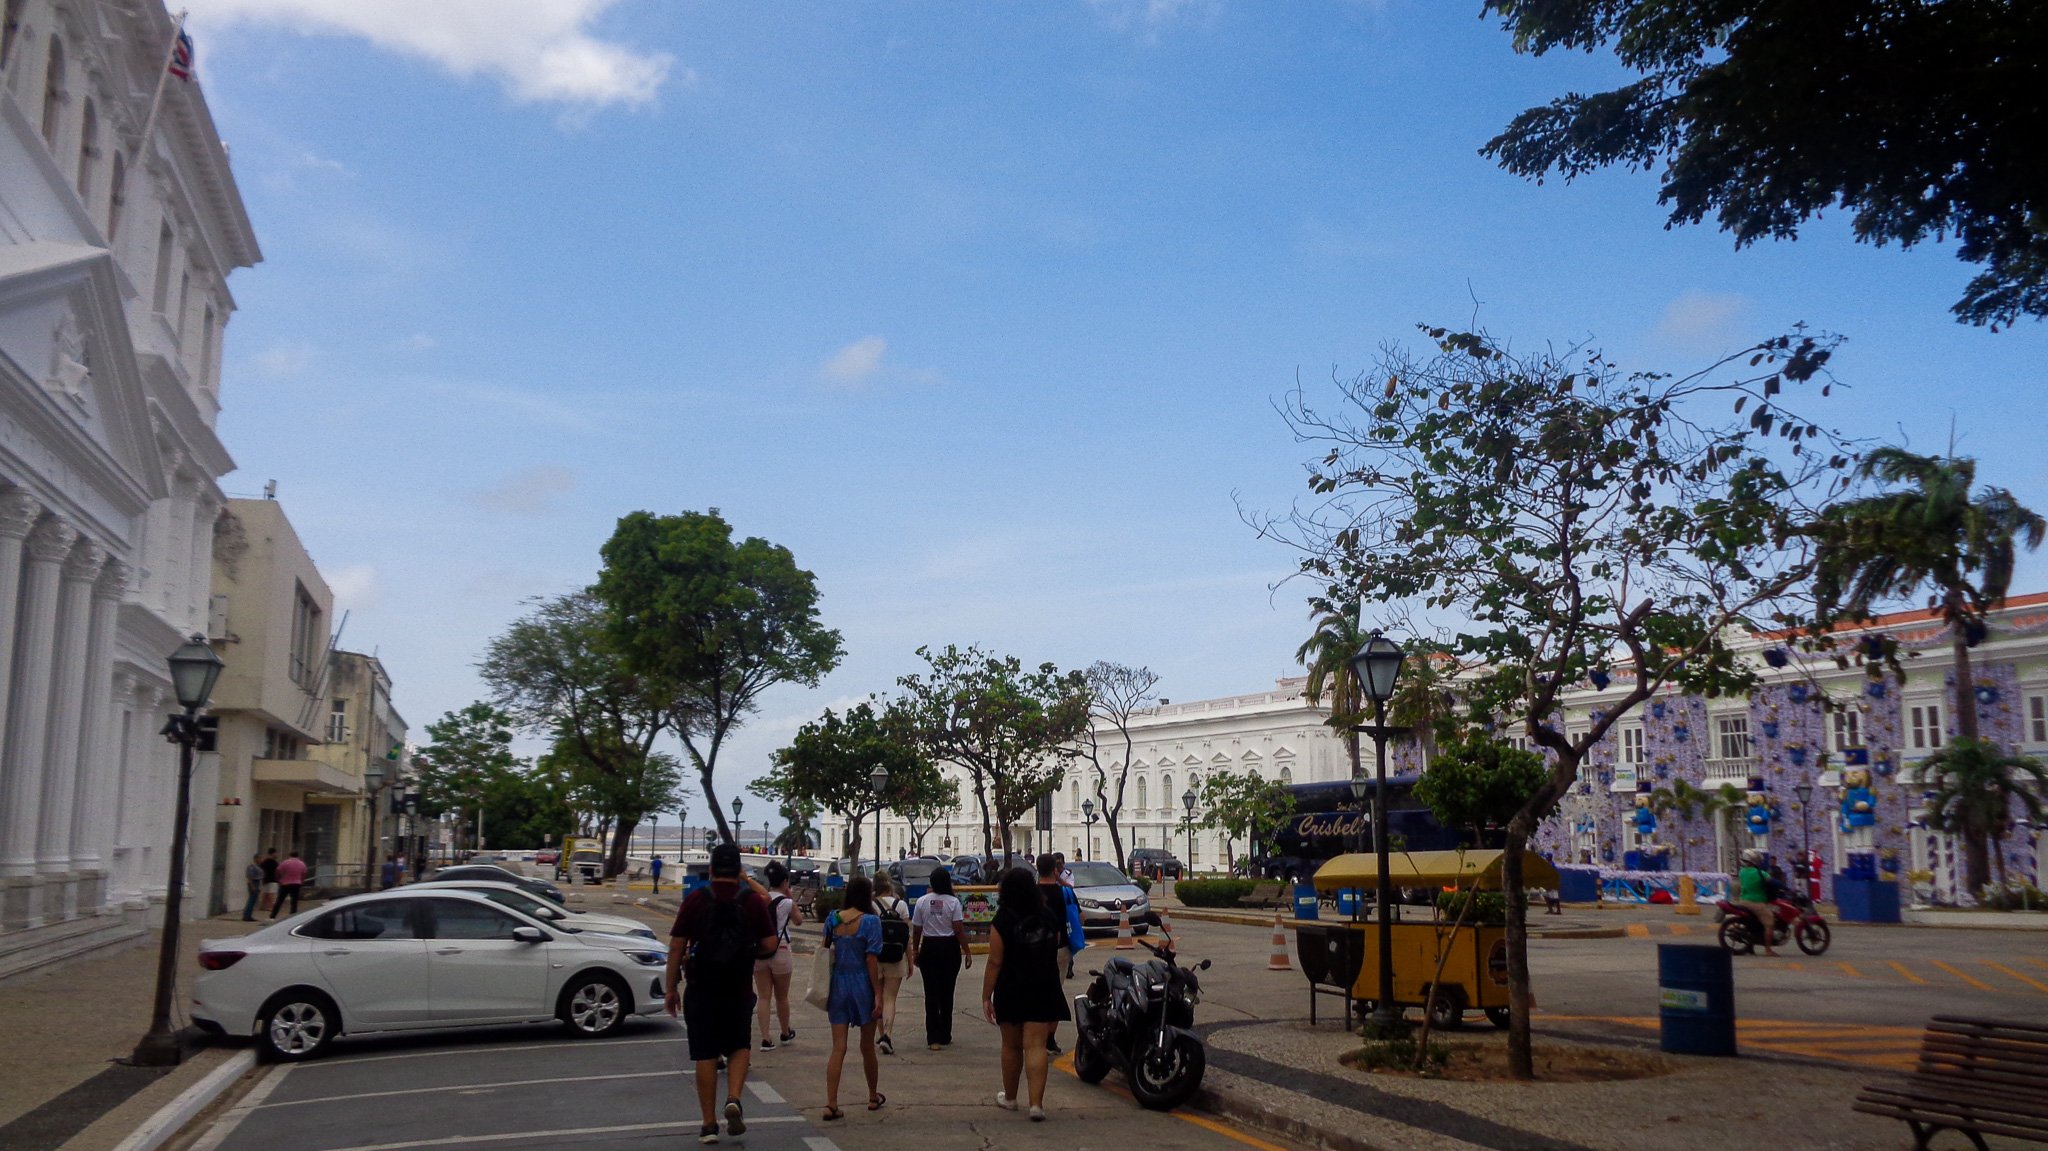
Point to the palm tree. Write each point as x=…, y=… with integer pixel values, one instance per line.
x=1423, y=700
x=796, y=834
x=1933, y=537
x=1327, y=656
x=1975, y=787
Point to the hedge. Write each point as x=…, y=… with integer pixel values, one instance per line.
x=1144, y=882
x=828, y=901
x=1212, y=892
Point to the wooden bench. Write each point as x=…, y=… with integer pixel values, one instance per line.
x=1976, y=1077
x=1265, y=895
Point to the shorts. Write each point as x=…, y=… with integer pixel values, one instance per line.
x=899, y=970
x=270, y=889
x=718, y=1021
x=780, y=963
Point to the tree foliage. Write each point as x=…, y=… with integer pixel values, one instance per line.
x=1479, y=782
x=1913, y=117
x=1327, y=654
x=715, y=622
x=827, y=766
x=1680, y=798
x=1569, y=516
x=1116, y=693
x=465, y=751
x=1243, y=805
x=1975, y=787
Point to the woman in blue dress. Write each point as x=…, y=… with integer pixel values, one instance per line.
x=855, y=936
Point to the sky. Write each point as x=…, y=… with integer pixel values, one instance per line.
x=981, y=310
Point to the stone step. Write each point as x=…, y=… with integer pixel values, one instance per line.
x=22, y=952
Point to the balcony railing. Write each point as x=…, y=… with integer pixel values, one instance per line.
x=1729, y=770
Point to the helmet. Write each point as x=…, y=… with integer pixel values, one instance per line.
x=1751, y=857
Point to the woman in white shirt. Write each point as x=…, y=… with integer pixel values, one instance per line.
x=771, y=975
x=936, y=927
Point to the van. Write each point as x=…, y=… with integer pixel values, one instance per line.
x=581, y=855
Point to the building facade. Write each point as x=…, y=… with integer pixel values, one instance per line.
x=364, y=739
x=114, y=257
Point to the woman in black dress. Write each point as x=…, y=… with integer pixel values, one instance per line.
x=1021, y=992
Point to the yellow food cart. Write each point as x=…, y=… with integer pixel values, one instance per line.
x=1469, y=963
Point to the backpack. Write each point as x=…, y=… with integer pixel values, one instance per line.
x=781, y=924
x=724, y=949
x=895, y=933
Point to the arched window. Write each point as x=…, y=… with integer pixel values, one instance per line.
x=1141, y=793
x=53, y=91
x=88, y=151
x=1074, y=797
x=1166, y=799
x=117, y=195
x=1286, y=777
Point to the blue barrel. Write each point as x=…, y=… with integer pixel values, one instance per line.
x=1696, y=993
x=1305, y=905
x=1347, y=901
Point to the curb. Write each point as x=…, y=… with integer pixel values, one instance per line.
x=171, y=1118
x=1273, y=1121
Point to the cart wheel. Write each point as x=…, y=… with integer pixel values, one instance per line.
x=1447, y=1009
x=1498, y=1016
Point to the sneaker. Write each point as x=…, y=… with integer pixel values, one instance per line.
x=767, y=1044
x=887, y=1045
x=1005, y=1102
x=1038, y=1114
x=1052, y=1046
x=708, y=1133
x=788, y=1035
x=934, y=1046
x=735, y=1118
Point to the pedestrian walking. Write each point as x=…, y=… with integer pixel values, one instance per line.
x=269, y=866
x=654, y=869
x=937, y=925
x=253, y=876
x=1020, y=988
x=291, y=876
x=855, y=936
x=1063, y=915
x=771, y=975
x=389, y=874
x=721, y=929
x=895, y=957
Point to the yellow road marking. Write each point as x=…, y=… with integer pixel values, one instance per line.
x=1848, y=970
x=1639, y=930
x=2026, y=979
x=1901, y=969
x=1681, y=929
x=2040, y=963
x=1963, y=975
x=1066, y=1063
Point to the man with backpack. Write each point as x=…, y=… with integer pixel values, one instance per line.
x=721, y=929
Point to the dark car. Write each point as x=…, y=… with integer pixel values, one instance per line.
x=485, y=871
x=966, y=869
x=1155, y=861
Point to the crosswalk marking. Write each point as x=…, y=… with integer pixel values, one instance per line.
x=1963, y=975
x=1903, y=970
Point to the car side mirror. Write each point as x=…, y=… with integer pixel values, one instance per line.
x=529, y=935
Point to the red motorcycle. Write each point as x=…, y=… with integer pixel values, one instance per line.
x=1740, y=932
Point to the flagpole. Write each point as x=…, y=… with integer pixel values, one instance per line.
x=163, y=75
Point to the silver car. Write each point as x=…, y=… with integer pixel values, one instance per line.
x=1104, y=893
x=518, y=900
x=417, y=958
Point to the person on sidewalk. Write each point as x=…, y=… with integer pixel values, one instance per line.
x=854, y=934
x=269, y=866
x=253, y=876
x=895, y=957
x=771, y=975
x=291, y=876
x=1062, y=914
x=937, y=925
x=722, y=929
x=1020, y=988
x=389, y=874
x=654, y=870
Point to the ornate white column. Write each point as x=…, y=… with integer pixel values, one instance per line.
x=199, y=567
x=92, y=817
x=17, y=515
x=67, y=706
x=173, y=550
x=28, y=716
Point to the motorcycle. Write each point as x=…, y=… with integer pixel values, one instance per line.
x=1138, y=1019
x=1740, y=932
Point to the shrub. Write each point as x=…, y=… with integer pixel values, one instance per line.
x=828, y=901
x=1490, y=910
x=2013, y=897
x=1144, y=882
x=1400, y=1052
x=1212, y=892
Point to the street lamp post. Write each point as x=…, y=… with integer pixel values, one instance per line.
x=1360, y=788
x=1088, y=814
x=736, y=824
x=878, y=779
x=1805, y=793
x=1376, y=666
x=1187, y=801
x=194, y=668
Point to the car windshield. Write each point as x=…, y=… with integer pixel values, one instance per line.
x=522, y=902
x=919, y=870
x=1097, y=875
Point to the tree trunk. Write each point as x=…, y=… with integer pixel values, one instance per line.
x=1977, y=860
x=1521, y=1052
x=622, y=838
x=717, y=809
x=1966, y=692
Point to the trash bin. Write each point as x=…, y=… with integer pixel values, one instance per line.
x=1347, y=902
x=1305, y=905
x=1696, y=999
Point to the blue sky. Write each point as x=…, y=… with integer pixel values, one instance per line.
x=979, y=309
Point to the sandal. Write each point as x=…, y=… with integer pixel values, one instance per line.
x=832, y=1113
x=875, y=1103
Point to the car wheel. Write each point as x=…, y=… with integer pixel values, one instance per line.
x=1447, y=1008
x=296, y=1024
x=595, y=1004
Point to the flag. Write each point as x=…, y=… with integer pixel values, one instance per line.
x=181, y=57
x=392, y=755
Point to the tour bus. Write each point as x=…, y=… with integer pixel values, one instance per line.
x=1327, y=823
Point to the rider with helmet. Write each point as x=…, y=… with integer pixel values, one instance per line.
x=1753, y=893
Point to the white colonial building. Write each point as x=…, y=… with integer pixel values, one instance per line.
x=114, y=256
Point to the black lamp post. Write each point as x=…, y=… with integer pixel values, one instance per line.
x=1088, y=813
x=194, y=669
x=1360, y=788
x=1376, y=666
x=736, y=824
x=878, y=779
x=1187, y=801
x=1805, y=793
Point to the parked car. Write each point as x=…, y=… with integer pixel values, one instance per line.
x=494, y=874
x=518, y=900
x=415, y=958
x=546, y=855
x=1155, y=861
x=1104, y=893
x=967, y=869
x=912, y=877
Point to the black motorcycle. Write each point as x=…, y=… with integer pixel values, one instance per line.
x=1139, y=1018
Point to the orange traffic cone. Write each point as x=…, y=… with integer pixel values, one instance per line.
x=1279, y=960
x=1165, y=924
x=1124, y=942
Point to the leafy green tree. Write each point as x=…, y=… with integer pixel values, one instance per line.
x=525, y=808
x=1116, y=693
x=1425, y=699
x=1976, y=785
x=826, y=767
x=1244, y=805
x=1573, y=516
x=466, y=751
x=1013, y=729
x=1912, y=117
x=1479, y=782
x=1327, y=656
x=1931, y=536
x=557, y=673
x=714, y=622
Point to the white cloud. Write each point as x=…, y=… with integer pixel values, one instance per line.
x=541, y=51
x=354, y=587
x=284, y=358
x=856, y=362
x=1148, y=16
x=1705, y=322
x=418, y=342
x=529, y=492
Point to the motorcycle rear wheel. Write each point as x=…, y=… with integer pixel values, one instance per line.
x=1162, y=1082
x=1813, y=937
x=1735, y=936
x=1090, y=1065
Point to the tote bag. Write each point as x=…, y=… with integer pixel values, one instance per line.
x=821, y=979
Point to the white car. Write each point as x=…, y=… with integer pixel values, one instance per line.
x=513, y=896
x=417, y=958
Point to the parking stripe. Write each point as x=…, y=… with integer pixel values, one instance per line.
x=561, y=1133
x=468, y=1087
x=1848, y=970
x=1902, y=970
x=2026, y=979
x=763, y=1092
x=1963, y=975
x=226, y=1124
